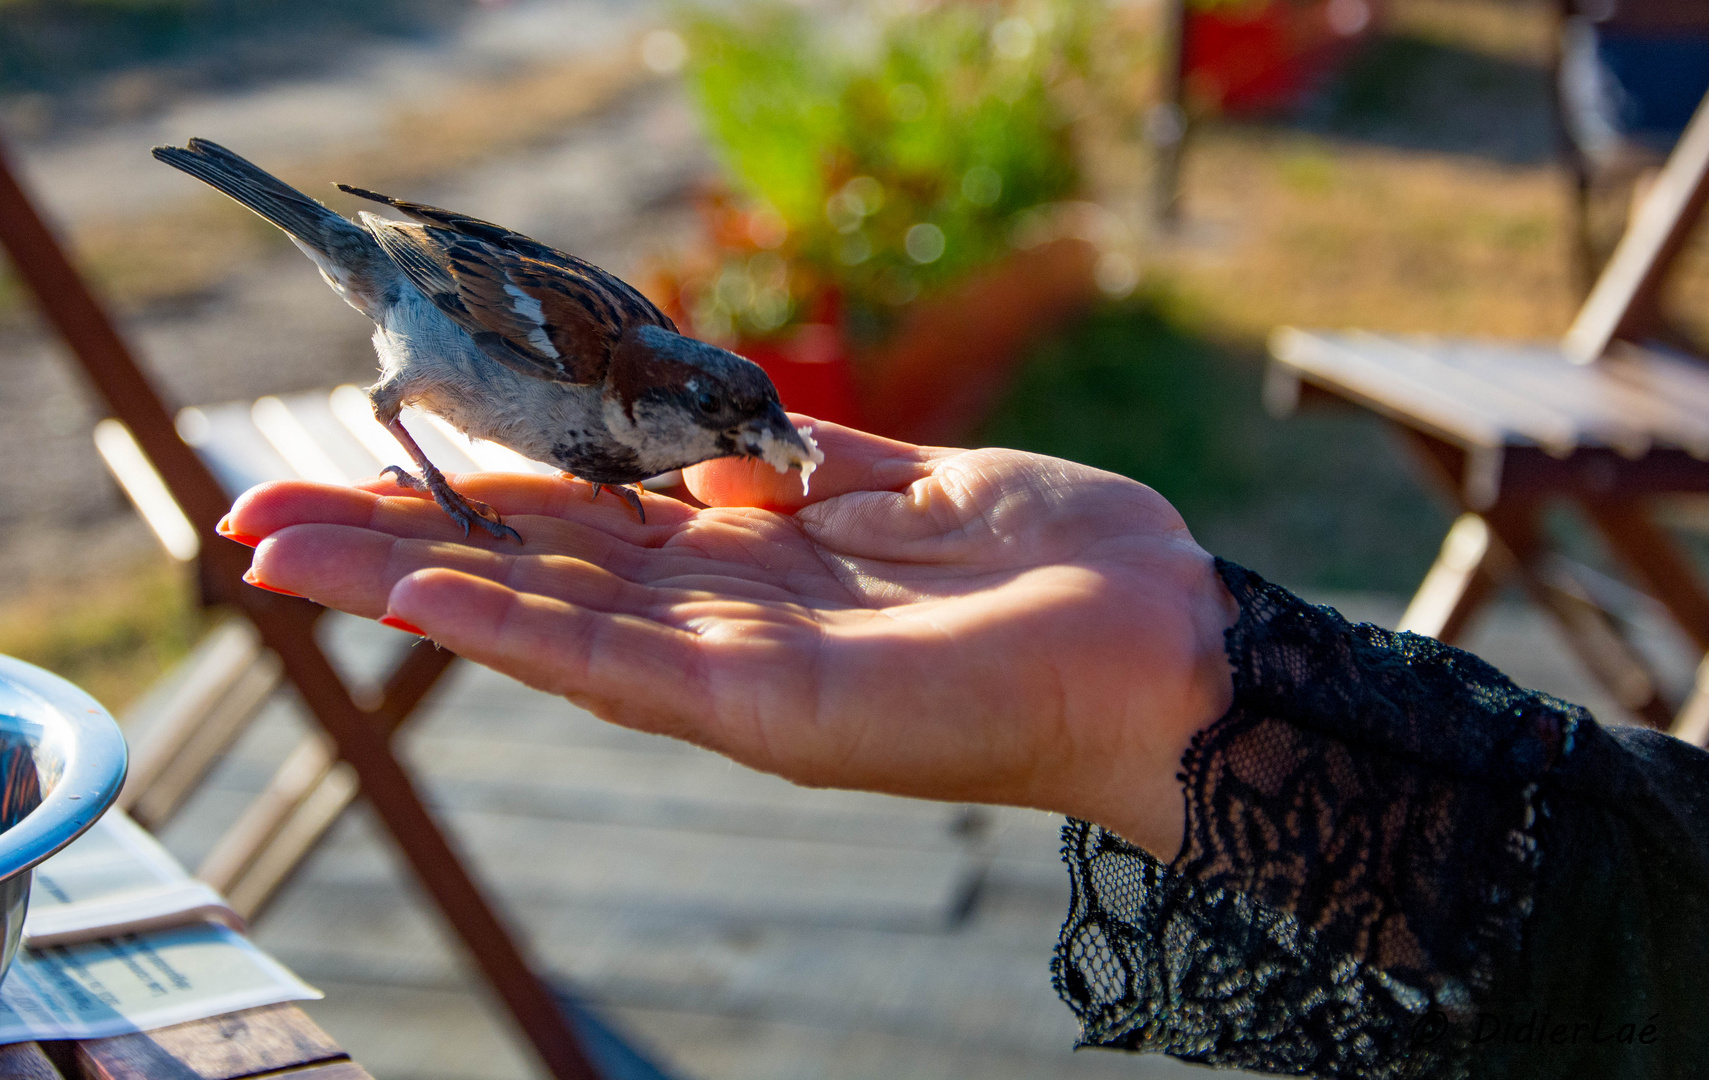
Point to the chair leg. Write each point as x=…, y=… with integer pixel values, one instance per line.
x=366, y=745
x=1653, y=557
x=1692, y=723
x=1590, y=631
x=1464, y=576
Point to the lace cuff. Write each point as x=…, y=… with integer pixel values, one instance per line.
x=1359, y=858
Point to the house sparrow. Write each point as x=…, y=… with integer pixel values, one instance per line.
x=512, y=341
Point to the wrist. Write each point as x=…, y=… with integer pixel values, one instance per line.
x=1143, y=800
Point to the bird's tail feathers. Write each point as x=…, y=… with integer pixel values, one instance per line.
x=305, y=219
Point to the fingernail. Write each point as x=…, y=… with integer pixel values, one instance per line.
x=398, y=624
x=225, y=530
x=250, y=577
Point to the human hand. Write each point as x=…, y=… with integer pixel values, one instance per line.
x=970, y=625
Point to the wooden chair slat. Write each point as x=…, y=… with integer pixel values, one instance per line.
x=1328, y=361
x=229, y=1047
x=1613, y=411
x=226, y=439
x=450, y=454
x=314, y=412
x=295, y=443
x=25, y=1061
x=489, y=455
x=1432, y=363
x=337, y=1070
x=1541, y=374
x=350, y=407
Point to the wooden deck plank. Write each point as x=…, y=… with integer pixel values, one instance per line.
x=707, y=872
x=694, y=793
x=986, y=980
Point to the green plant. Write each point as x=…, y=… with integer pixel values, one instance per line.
x=875, y=158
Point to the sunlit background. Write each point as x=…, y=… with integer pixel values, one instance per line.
x=999, y=222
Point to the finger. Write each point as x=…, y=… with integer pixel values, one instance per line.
x=854, y=461
x=557, y=496
x=552, y=515
x=354, y=569
x=628, y=669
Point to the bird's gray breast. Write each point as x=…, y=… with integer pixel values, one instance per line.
x=428, y=361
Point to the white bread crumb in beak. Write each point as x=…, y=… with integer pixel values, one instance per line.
x=782, y=455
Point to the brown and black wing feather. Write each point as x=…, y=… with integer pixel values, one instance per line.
x=535, y=309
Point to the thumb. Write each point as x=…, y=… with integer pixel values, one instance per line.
x=854, y=461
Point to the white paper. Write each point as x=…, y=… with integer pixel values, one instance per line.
x=137, y=982
x=114, y=878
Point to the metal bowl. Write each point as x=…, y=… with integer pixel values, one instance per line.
x=62, y=762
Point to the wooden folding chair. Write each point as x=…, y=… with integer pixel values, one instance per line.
x=241, y=663
x=1607, y=154
x=1612, y=418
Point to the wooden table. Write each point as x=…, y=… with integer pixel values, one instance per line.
x=272, y=1041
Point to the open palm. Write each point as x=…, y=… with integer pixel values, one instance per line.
x=979, y=625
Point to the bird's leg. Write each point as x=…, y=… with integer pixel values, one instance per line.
x=631, y=495
x=465, y=512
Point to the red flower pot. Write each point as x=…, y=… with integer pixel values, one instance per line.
x=1267, y=57
x=810, y=368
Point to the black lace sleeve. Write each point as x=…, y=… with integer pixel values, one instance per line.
x=1399, y=864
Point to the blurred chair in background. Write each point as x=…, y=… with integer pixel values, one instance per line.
x=182, y=472
x=1608, y=420
x=1629, y=75
x=1241, y=59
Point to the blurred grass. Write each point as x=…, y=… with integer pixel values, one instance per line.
x=112, y=633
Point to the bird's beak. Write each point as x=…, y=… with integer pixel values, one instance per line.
x=780, y=444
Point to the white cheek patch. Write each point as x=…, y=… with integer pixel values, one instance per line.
x=529, y=308
x=781, y=455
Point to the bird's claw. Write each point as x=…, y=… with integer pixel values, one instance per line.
x=464, y=511
x=631, y=495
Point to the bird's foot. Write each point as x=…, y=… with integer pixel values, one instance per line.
x=631, y=495
x=464, y=511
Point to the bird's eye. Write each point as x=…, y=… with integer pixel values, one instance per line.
x=706, y=402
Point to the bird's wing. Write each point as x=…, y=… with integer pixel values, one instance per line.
x=534, y=309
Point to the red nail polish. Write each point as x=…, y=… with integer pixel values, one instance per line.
x=398, y=624
x=249, y=576
x=225, y=530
